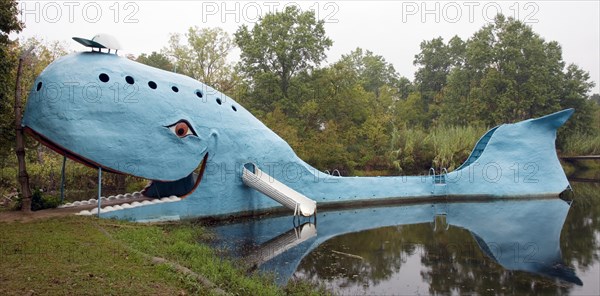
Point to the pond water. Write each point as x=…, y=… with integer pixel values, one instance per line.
x=548, y=246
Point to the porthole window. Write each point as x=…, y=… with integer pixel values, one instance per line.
x=175, y=89
x=39, y=86
x=103, y=77
x=218, y=101
x=234, y=108
x=199, y=94
x=129, y=79
x=152, y=84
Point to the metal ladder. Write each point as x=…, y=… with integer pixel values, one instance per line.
x=438, y=182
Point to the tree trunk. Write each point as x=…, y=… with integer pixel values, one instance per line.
x=20, y=145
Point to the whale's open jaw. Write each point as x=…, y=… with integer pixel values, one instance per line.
x=181, y=188
x=129, y=200
x=158, y=190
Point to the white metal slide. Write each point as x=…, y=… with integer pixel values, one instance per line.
x=267, y=185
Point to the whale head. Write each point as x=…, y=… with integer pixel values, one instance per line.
x=109, y=112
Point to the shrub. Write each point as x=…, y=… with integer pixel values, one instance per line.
x=39, y=201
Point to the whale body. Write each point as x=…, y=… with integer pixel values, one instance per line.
x=193, y=141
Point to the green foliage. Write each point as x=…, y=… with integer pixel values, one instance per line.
x=595, y=98
x=415, y=150
x=40, y=201
x=203, y=56
x=283, y=43
x=581, y=144
x=42, y=53
x=8, y=61
x=504, y=73
x=8, y=19
x=156, y=60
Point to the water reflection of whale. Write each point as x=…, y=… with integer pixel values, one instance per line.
x=517, y=234
x=281, y=243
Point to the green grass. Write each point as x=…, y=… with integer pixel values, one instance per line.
x=72, y=255
x=581, y=144
x=415, y=150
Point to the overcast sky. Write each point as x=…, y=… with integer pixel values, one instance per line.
x=393, y=29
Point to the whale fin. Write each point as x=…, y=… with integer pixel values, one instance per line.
x=515, y=159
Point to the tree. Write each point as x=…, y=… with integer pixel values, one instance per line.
x=8, y=62
x=435, y=62
x=574, y=95
x=284, y=44
x=372, y=71
x=204, y=56
x=504, y=73
x=156, y=60
x=595, y=98
x=8, y=24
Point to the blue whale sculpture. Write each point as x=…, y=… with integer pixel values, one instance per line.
x=194, y=142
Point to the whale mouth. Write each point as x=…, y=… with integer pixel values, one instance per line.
x=181, y=188
x=167, y=192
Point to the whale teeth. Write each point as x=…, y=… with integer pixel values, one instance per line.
x=107, y=209
x=127, y=196
x=85, y=213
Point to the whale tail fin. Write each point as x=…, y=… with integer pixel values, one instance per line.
x=520, y=158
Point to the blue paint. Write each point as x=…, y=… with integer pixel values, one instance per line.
x=532, y=225
x=111, y=112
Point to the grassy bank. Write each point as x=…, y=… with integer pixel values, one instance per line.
x=82, y=255
x=581, y=144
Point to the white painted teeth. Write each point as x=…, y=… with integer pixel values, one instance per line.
x=93, y=201
x=107, y=209
x=84, y=213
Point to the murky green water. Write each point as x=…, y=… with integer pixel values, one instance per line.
x=546, y=246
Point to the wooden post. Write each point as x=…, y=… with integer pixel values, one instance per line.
x=20, y=142
x=62, y=179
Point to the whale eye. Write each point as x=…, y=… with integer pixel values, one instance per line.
x=182, y=129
